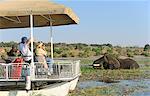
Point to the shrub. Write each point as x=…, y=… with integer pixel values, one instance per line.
x=146, y=54
x=97, y=51
x=130, y=54
x=146, y=47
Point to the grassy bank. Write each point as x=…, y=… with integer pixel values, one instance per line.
x=122, y=74
x=109, y=76
x=88, y=73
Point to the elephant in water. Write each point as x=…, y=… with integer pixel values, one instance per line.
x=110, y=62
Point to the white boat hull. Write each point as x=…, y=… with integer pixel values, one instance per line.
x=58, y=89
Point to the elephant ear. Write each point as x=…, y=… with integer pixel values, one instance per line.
x=106, y=59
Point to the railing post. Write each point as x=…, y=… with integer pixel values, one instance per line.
x=58, y=70
x=28, y=79
x=7, y=72
x=72, y=63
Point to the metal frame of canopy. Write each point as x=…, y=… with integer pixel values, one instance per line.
x=31, y=34
x=32, y=70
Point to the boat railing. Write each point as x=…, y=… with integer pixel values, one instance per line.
x=13, y=71
x=58, y=70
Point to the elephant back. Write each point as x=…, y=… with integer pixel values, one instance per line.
x=128, y=64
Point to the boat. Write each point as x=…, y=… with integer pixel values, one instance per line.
x=18, y=78
x=63, y=80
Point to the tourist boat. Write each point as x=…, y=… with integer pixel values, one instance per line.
x=22, y=79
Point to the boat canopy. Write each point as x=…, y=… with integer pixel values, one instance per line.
x=16, y=14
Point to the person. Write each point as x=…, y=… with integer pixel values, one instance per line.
x=41, y=54
x=3, y=55
x=24, y=49
x=14, y=51
x=12, y=54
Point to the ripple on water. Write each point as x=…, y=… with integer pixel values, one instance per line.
x=89, y=84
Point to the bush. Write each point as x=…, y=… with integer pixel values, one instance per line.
x=64, y=55
x=130, y=54
x=146, y=54
x=137, y=52
x=58, y=50
x=97, y=51
x=81, y=54
x=146, y=47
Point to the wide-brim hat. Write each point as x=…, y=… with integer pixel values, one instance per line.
x=40, y=45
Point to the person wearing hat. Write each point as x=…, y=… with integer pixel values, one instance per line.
x=24, y=49
x=41, y=54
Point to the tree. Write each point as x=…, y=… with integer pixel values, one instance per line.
x=146, y=47
x=109, y=45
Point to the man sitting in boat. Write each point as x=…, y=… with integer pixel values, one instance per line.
x=3, y=55
x=41, y=55
x=13, y=53
x=24, y=49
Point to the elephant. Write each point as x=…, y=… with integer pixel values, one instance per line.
x=110, y=62
x=107, y=62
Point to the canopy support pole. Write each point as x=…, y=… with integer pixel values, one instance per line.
x=51, y=37
x=51, y=33
x=30, y=69
x=32, y=60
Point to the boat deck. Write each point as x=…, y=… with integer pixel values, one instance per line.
x=13, y=75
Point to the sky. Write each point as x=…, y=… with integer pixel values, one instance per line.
x=119, y=22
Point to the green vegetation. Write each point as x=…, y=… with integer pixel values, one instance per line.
x=102, y=91
x=146, y=53
x=122, y=74
x=81, y=50
x=110, y=76
x=112, y=90
x=86, y=61
x=130, y=53
x=87, y=54
x=89, y=73
x=146, y=50
x=146, y=47
x=144, y=61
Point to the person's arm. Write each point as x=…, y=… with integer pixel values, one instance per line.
x=44, y=52
x=29, y=41
x=44, y=49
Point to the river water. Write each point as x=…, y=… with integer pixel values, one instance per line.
x=133, y=87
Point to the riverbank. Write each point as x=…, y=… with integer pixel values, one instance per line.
x=97, y=82
x=121, y=88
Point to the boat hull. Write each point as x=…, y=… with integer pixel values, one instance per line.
x=56, y=89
